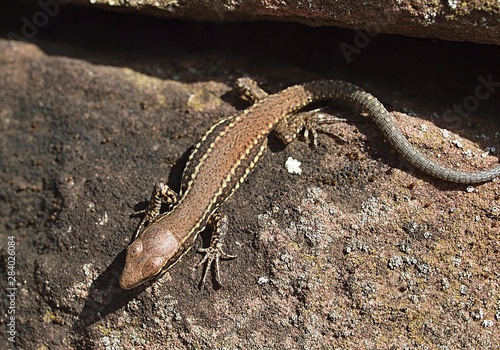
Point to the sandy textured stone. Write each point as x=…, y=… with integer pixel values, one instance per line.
x=360, y=251
x=477, y=21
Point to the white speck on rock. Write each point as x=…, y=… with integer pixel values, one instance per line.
x=395, y=262
x=263, y=280
x=293, y=166
x=457, y=143
x=487, y=323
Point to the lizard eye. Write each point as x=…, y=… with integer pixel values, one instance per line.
x=135, y=249
x=153, y=266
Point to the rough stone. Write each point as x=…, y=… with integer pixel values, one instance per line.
x=476, y=21
x=89, y=121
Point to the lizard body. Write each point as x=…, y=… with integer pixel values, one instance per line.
x=225, y=156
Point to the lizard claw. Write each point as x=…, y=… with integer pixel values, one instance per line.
x=211, y=257
x=214, y=252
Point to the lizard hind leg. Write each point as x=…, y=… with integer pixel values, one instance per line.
x=288, y=128
x=213, y=253
x=310, y=122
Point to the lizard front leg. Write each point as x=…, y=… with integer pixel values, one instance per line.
x=214, y=252
x=161, y=192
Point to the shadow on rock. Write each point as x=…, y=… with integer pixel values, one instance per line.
x=105, y=295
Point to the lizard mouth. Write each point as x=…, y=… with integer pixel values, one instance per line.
x=140, y=269
x=129, y=279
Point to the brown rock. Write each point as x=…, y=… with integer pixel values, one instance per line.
x=458, y=20
x=358, y=252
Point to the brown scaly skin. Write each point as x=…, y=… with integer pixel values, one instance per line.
x=225, y=156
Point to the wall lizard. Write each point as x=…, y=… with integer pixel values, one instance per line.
x=225, y=156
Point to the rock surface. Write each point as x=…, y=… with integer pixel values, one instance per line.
x=358, y=252
x=477, y=21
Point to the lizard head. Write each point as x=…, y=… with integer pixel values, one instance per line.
x=147, y=256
